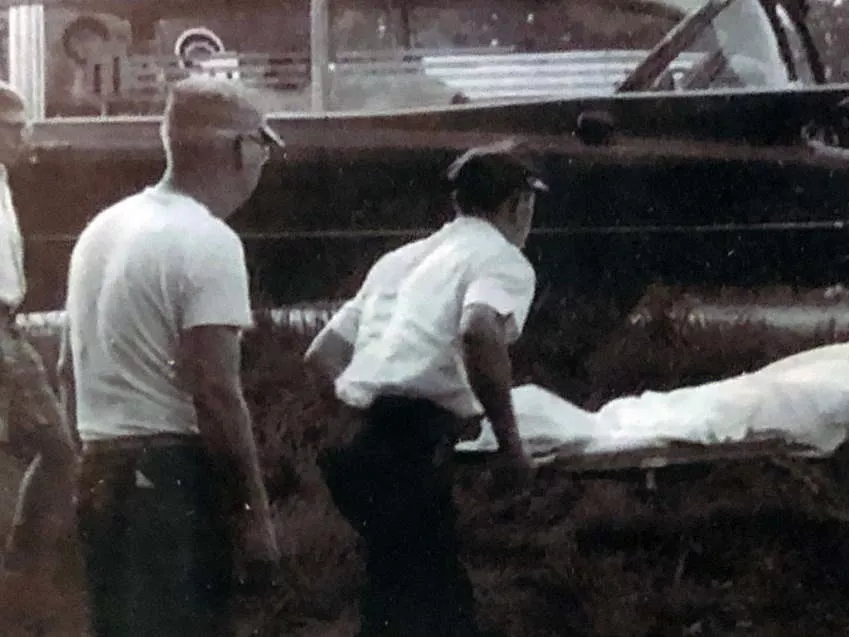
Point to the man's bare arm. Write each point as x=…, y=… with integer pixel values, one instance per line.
x=210, y=365
x=329, y=354
x=487, y=361
x=67, y=384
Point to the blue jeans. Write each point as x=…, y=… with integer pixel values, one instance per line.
x=156, y=543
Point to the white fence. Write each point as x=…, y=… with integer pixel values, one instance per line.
x=535, y=75
x=479, y=75
x=44, y=329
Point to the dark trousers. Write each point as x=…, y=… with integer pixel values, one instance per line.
x=156, y=543
x=393, y=483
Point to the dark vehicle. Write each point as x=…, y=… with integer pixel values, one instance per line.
x=686, y=142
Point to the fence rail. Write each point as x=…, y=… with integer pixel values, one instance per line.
x=44, y=329
x=304, y=318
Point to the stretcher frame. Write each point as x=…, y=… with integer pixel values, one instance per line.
x=644, y=463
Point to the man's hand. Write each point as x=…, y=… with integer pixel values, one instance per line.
x=518, y=460
x=210, y=365
x=513, y=468
x=259, y=551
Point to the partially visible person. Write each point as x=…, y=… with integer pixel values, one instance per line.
x=70, y=86
x=32, y=423
x=418, y=353
x=171, y=491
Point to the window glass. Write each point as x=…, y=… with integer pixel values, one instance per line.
x=401, y=57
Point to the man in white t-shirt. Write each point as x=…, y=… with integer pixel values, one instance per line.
x=31, y=420
x=157, y=296
x=420, y=350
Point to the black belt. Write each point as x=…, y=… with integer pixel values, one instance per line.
x=139, y=443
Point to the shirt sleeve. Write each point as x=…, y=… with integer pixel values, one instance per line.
x=216, y=287
x=507, y=285
x=346, y=321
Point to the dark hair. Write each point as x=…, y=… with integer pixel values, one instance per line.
x=483, y=178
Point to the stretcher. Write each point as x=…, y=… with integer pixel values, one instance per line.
x=783, y=390
x=571, y=459
x=796, y=407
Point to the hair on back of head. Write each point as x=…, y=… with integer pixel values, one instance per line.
x=484, y=177
x=205, y=115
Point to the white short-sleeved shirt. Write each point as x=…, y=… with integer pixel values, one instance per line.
x=404, y=322
x=12, y=279
x=142, y=271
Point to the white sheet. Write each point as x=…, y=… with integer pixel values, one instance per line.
x=803, y=398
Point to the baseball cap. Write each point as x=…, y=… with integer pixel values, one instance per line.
x=502, y=164
x=201, y=105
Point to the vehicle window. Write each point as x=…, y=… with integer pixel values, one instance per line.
x=828, y=23
x=798, y=51
x=746, y=38
x=102, y=65
x=734, y=49
x=4, y=45
x=422, y=54
x=580, y=25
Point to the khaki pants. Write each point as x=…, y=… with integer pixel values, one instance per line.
x=34, y=429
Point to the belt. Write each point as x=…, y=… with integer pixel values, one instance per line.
x=139, y=443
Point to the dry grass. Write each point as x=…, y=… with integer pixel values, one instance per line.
x=727, y=551
x=741, y=549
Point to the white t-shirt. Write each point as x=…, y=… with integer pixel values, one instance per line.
x=405, y=320
x=12, y=278
x=143, y=270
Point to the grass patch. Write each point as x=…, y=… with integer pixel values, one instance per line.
x=737, y=549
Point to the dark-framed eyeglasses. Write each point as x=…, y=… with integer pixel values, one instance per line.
x=260, y=140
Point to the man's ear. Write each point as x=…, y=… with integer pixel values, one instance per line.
x=512, y=204
x=506, y=210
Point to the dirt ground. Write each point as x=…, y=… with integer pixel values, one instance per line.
x=736, y=549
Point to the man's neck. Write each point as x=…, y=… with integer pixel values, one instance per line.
x=496, y=222
x=194, y=188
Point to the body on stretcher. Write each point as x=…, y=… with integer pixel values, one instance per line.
x=797, y=406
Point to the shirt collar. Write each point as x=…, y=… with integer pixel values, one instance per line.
x=477, y=223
